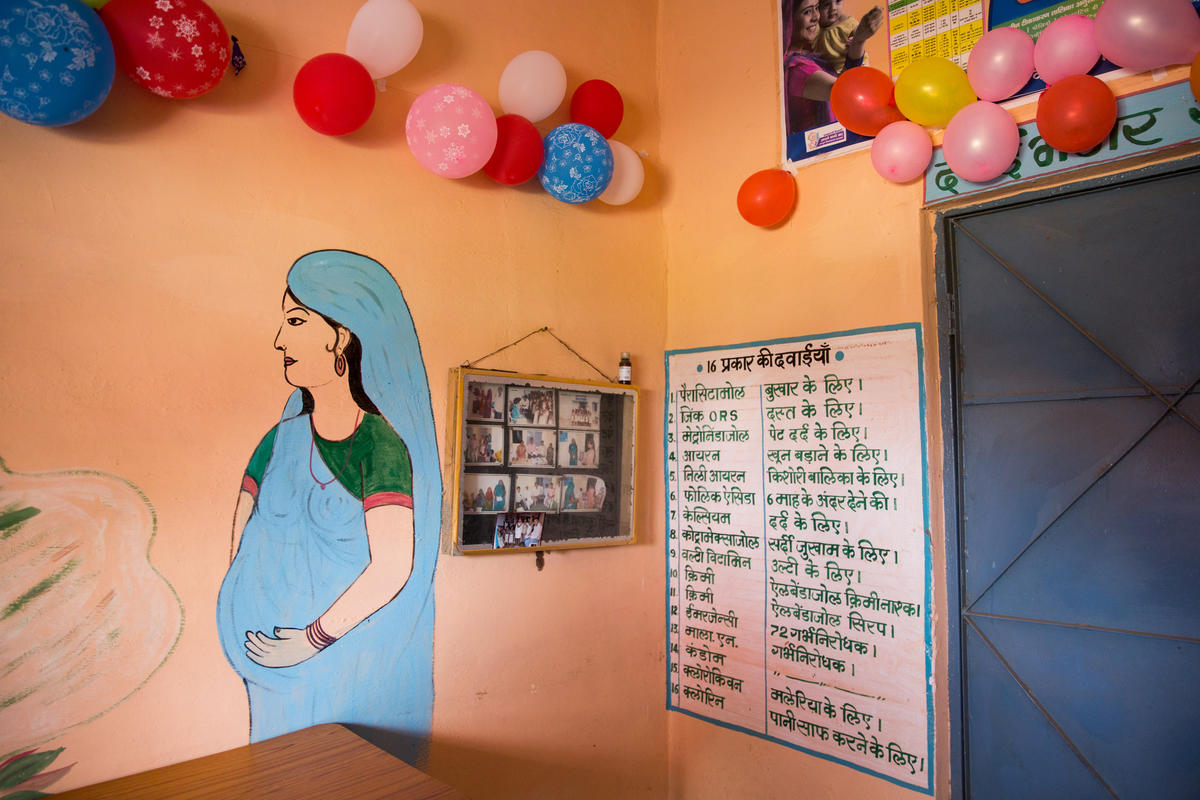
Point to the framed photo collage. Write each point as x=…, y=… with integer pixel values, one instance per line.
x=540, y=462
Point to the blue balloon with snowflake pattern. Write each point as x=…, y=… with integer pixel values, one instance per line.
x=56, y=61
x=578, y=163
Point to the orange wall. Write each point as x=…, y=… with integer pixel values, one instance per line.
x=849, y=257
x=144, y=257
x=856, y=253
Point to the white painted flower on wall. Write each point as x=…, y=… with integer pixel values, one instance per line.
x=85, y=618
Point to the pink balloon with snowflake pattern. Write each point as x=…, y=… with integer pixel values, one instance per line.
x=173, y=48
x=451, y=130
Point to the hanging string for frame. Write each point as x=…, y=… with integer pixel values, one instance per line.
x=570, y=349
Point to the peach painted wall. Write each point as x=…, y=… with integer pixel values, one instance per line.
x=856, y=253
x=144, y=252
x=144, y=256
x=849, y=257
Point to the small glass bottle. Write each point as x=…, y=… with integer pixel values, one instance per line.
x=625, y=370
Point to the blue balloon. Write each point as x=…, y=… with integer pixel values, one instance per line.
x=56, y=61
x=578, y=164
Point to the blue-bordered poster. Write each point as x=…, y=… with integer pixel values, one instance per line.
x=798, y=568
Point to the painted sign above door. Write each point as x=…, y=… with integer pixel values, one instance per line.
x=1146, y=122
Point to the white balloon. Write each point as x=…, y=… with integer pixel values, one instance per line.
x=628, y=175
x=385, y=35
x=532, y=85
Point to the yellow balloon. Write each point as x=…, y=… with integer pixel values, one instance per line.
x=96, y=4
x=932, y=90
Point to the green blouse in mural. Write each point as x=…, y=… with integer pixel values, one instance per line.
x=377, y=467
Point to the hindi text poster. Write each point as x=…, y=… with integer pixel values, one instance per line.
x=798, y=565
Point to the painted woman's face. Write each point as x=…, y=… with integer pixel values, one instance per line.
x=307, y=343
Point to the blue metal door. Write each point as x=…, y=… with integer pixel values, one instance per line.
x=1073, y=351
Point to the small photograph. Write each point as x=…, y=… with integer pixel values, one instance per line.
x=483, y=445
x=528, y=405
x=536, y=493
x=578, y=449
x=485, y=494
x=582, y=492
x=485, y=402
x=579, y=410
x=530, y=447
x=518, y=530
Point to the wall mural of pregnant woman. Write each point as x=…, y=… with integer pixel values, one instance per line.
x=327, y=609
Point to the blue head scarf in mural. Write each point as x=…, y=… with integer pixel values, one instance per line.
x=303, y=545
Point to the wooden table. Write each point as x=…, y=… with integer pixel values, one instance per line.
x=325, y=761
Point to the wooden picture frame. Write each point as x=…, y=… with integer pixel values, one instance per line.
x=601, y=518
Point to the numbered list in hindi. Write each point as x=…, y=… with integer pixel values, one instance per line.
x=797, y=556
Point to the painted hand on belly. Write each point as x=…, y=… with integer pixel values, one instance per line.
x=287, y=648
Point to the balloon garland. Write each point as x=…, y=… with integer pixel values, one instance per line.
x=450, y=129
x=180, y=49
x=575, y=163
x=1075, y=113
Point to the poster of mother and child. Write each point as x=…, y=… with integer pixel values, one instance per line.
x=821, y=39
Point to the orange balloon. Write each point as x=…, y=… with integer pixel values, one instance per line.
x=1076, y=113
x=1195, y=80
x=863, y=99
x=767, y=197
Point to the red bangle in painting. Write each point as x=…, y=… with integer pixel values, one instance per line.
x=250, y=485
x=317, y=636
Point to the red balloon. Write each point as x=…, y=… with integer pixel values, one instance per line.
x=598, y=104
x=174, y=49
x=863, y=99
x=519, y=151
x=334, y=94
x=1076, y=113
x=767, y=197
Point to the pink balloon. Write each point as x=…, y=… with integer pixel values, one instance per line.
x=901, y=151
x=1067, y=46
x=1147, y=34
x=451, y=130
x=981, y=142
x=1000, y=63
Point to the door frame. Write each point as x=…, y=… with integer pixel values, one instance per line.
x=936, y=223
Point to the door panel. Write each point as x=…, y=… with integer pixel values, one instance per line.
x=1127, y=554
x=1081, y=678
x=1076, y=359
x=1101, y=256
x=1013, y=344
x=1024, y=757
x=1037, y=458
